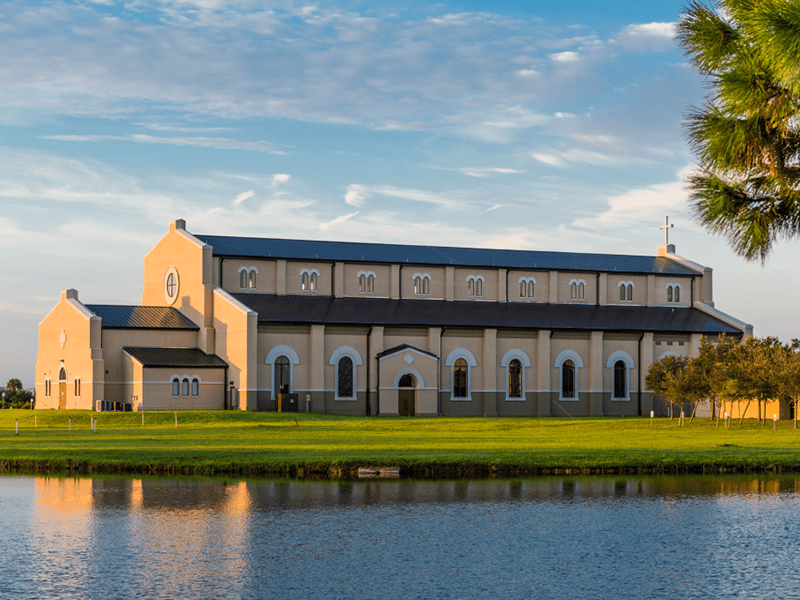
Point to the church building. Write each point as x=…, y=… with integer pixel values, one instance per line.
x=379, y=329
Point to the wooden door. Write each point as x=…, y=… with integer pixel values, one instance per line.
x=406, y=401
x=62, y=394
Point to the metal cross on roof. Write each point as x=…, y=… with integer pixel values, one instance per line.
x=666, y=227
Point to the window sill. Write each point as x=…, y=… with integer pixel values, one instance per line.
x=568, y=399
x=510, y=399
x=620, y=399
x=345, y=399
x=460, y=399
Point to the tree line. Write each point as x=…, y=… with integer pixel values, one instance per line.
x=13, y=396
x=726, y=372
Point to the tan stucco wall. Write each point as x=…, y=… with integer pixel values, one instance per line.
x=237, y=343
x=541, y=288
x=266, y=278
x=639, y=288
x=294, y=283
x=661, y=290
x=589, y=296
x=193, y=261
x=383, y=279
x=490, y=284
x=80, y=354
x=153, y=387
x=116, y=378
x=437, y=284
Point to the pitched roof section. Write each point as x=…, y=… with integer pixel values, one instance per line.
x=141, y=317
x=503, y=315
x=440, y=255
x=175, y=357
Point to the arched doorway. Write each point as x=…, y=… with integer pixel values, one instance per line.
x=62, y=388
x=407, y=395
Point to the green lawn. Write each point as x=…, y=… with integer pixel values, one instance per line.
x=234, y=442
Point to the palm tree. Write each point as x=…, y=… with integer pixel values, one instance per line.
x=747, y=135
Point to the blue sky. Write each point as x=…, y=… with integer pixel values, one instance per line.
x=528, y=125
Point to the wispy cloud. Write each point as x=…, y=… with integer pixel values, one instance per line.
x=242, y=197
x=480, y=171
x=205, y=142
x=337, y=221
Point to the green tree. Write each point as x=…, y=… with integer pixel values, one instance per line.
x=747, y=135
x=665, y=378
x=13, y=385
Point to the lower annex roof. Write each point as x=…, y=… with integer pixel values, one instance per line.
x=174, y=357
x=328, y=310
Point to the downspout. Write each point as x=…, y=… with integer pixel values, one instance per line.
x=639, y=374
x=400, y=283
x=597, y=290
x=369, y=360
x=333, y=280
x=439, y=376
x=691, y=293
x=378, y=397
x=507, y=270
x=225, y=390
x=220, y=276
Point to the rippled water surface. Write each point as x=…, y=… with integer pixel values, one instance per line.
x=667, y=537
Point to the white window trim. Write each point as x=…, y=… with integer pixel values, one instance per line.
x=475, y=279
x=353, y=354
x=506, y=362
x=272, y=356
x=626, y=284
x=629, y=366
x=310, y=272
x=367, y=275
x=527, y=280
x=560, y=360
x=471, y=364
x=422, y=277
x=577, y=283
x=408, y=371
x=247, y=270
x=673, y=286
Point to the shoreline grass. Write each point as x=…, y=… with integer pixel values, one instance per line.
x=333, y=446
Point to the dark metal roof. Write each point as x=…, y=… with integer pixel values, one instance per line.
x=141, y=317
x=175, y=357
x=402, y=347
x=503, y=315
x=440, y=255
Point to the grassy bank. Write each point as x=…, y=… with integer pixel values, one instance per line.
x=333, y=446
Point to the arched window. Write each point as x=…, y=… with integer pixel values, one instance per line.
x=77, y=388
x=344, y=380
x=252, y=279
x=304, y=282
x=673, y=292
x=62, y=375
x=523, y=289
x=176, y=387
x=366, y=282
x=620, y=379
x=185, y=387
x=195, y=387
x=573, y=290
x=422, y=284
x=622, y=292
x=568, y=379
x=281, y=379
x=243, y=279
x=475, y=286
x=460, y=379
x=577, y=289
x=515, y=379
x=313, y=281
x=531, y=283
x=581, y=288
x=677, y=294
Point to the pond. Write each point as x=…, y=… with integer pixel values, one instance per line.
x=593, y=537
